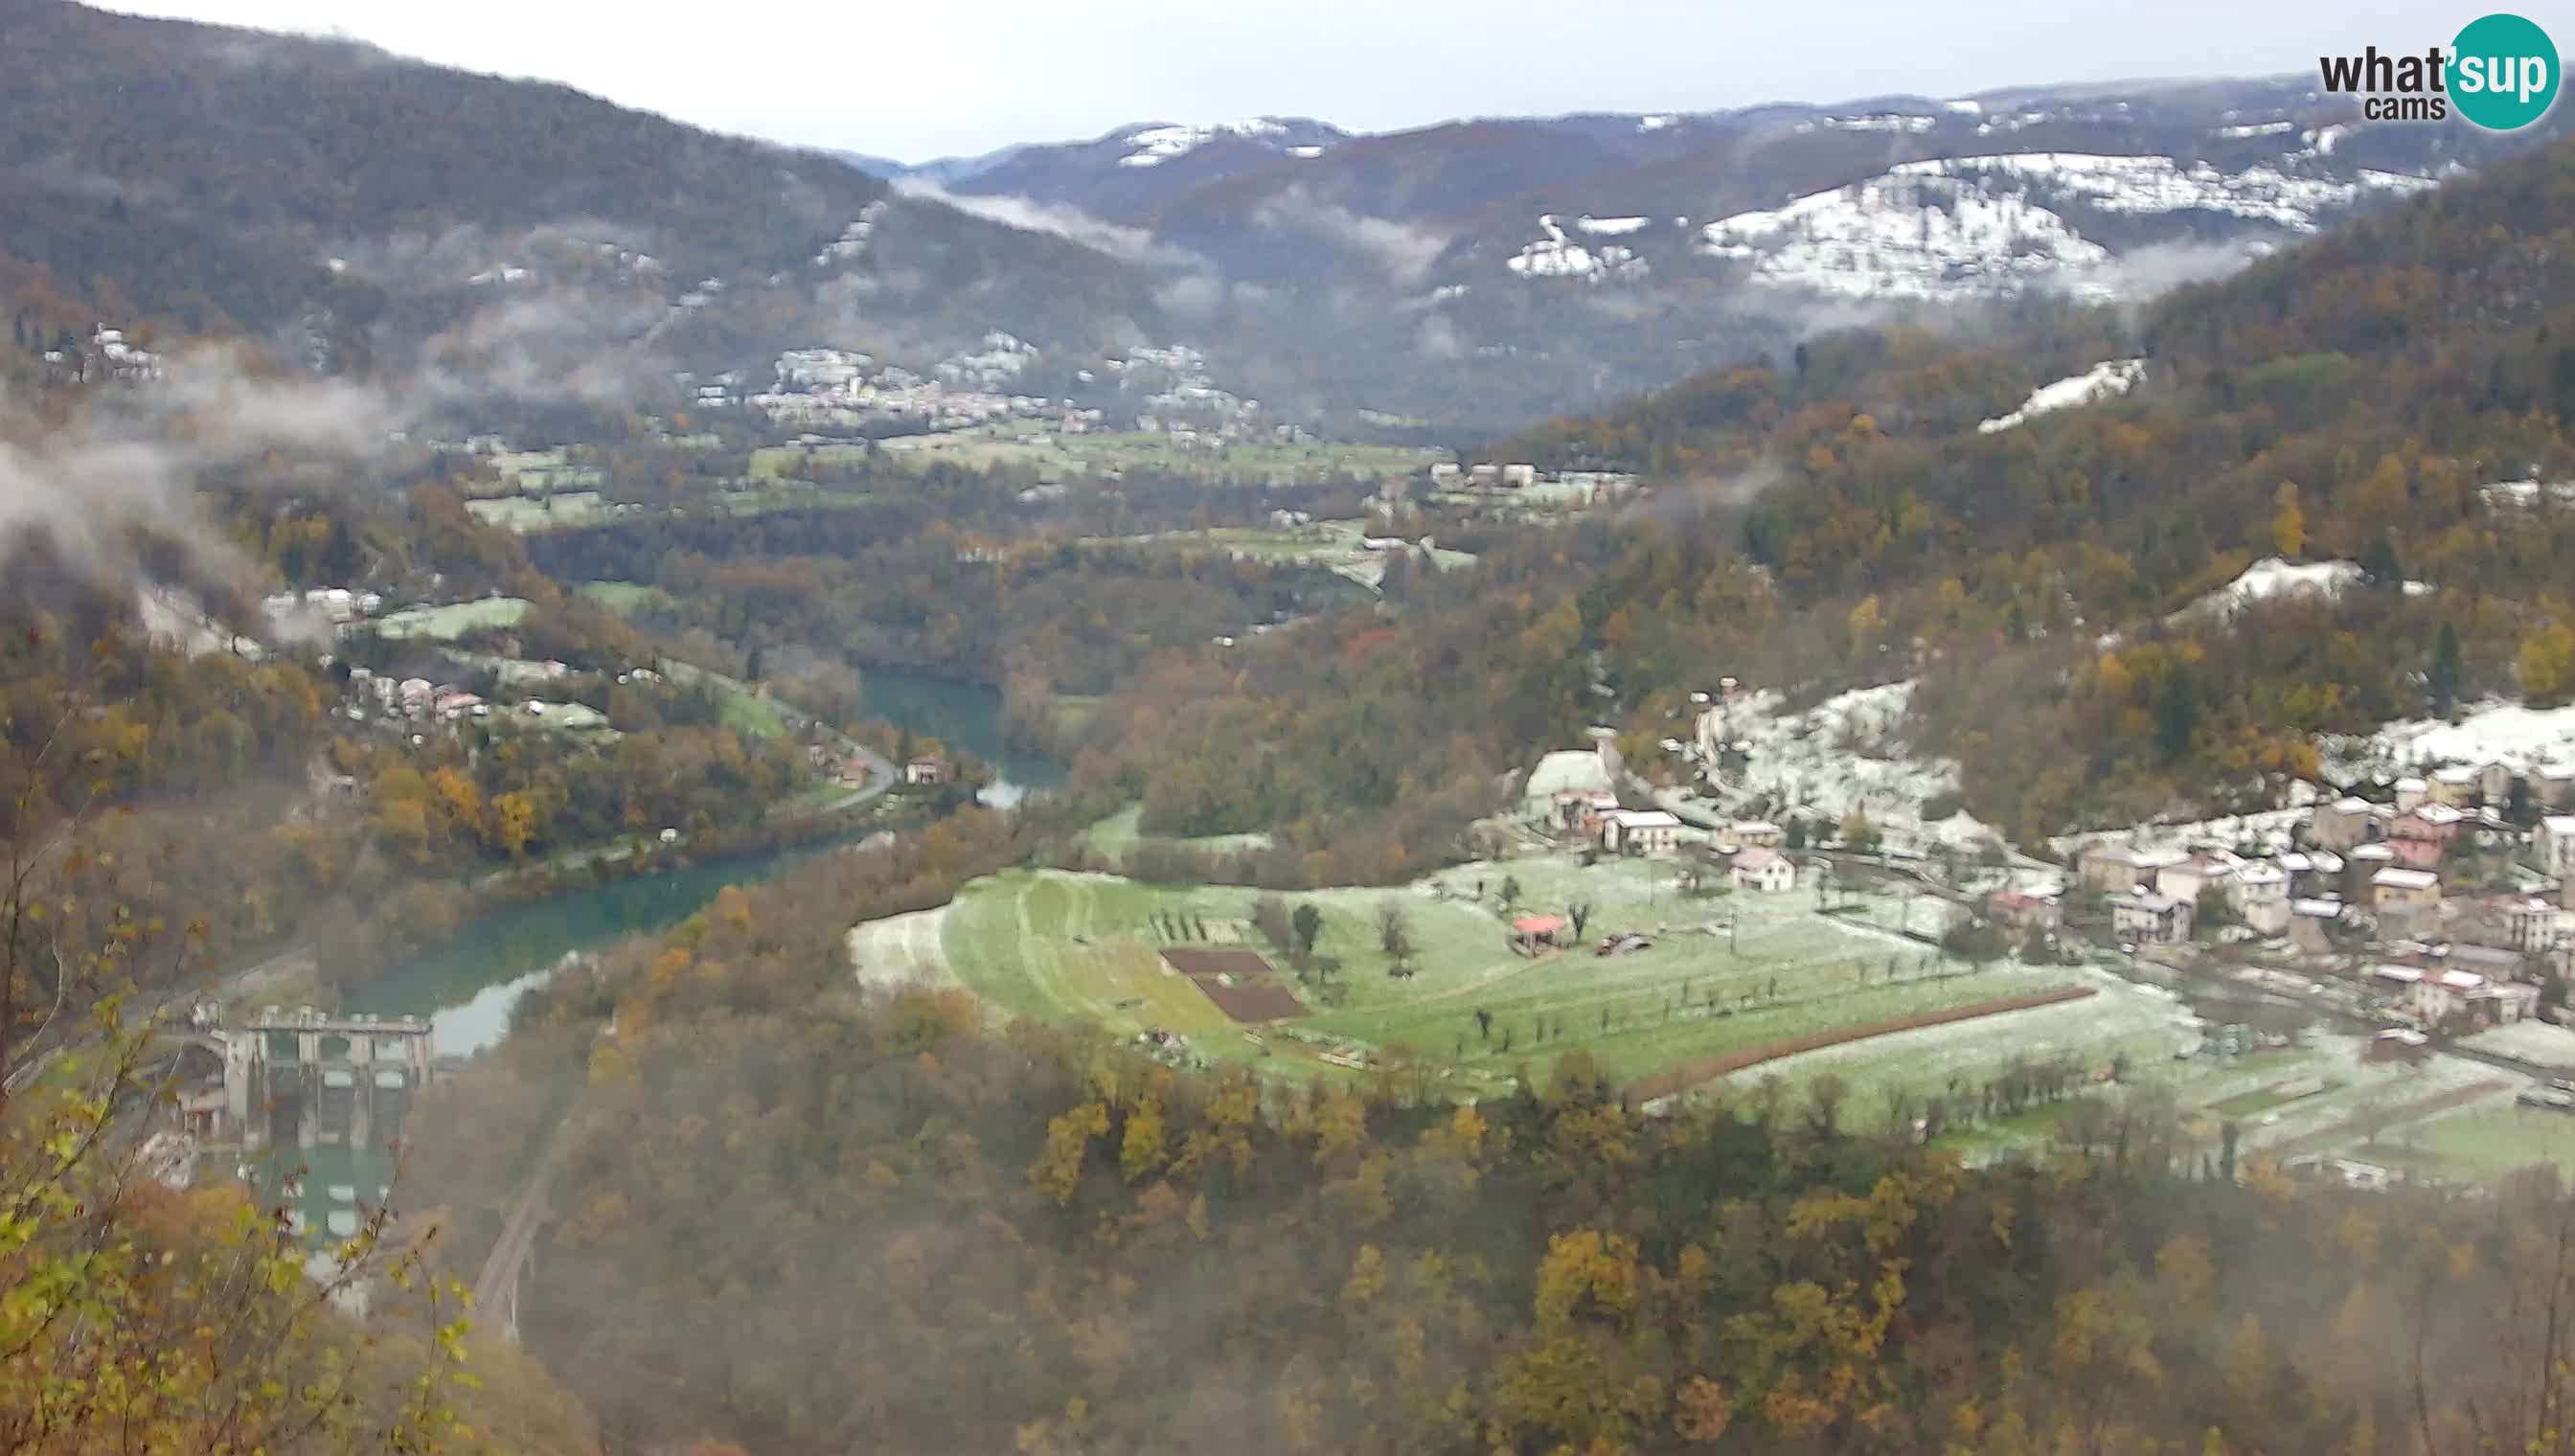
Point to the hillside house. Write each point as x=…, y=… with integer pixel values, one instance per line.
x=1758, y=835
x=2411, y=792
x=2400, y=1044
x=1640, y=831
x=2494, y=962
x=927, y=771
x=2423, y=833
x=2402, y=892
x=1517, y=477
x=2342, y=824
x=1565, y=770
x=2311, y=872
x=2259, y=895
x=2535, y=927
x=2116, y=868
x=2017, y=910
x=1765, y=871
x=2459, y=786
x=2187, y=880
x=2312, y=923
x=2151, y=919
x=1579, y=809
x=2554, y=785
x=2554, y=841
x=2466, y=996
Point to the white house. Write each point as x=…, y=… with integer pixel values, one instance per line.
x=2187, y=880
x=2151, y=920
x=1640, y=831
x=1765, y=870
x=2450, y=993
x=2555, y=841
x=2259, y=893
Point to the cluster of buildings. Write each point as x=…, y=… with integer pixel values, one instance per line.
x=1570, y=792
x=1582, y=487
x=840, y=389
x=2385, y=882
x=338, y=606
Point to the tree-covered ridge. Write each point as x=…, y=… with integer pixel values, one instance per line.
x=865, y=1221
x=1838, y=515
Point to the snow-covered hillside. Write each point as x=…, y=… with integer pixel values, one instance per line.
x=2495, y=733
x=1556, y=255
x=1846, y=753
x=2274, y=577
x=1155, y=145
x=1956, y=227
x=2102, y=380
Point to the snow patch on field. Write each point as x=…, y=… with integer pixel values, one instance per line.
x=1608, y=227
x=2531, y=1042
x=2257, y=129
x=902, y=951
x=2102, y=380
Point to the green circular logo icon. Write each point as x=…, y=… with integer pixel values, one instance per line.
x=2503, y=72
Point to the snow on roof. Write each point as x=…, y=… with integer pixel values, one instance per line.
x=1643, y=819
x=2459, y=773
x=2436, y=814
x=2462, y=980
x=2399, y=877
x=2325, y=861
x=2260, y=873
x=2350, y=806
x=2319, y=909
x=2559, y=824
x=1758, y=859
x=2373, y=852
x=2405, y=974
x=2405, y=1036
x=2100, y=382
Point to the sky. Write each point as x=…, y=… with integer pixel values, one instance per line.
x=921, y=80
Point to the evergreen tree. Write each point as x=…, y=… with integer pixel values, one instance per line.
x=2444, y=677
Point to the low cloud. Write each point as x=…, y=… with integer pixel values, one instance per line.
x=1404, y=253
x=1061, y=220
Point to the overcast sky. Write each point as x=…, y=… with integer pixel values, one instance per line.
x=919, y=80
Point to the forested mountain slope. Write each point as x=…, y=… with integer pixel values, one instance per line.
x=220, y=180
x=2346, y=401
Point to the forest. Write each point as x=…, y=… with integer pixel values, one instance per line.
x=1836, y=518
x=864, y=1221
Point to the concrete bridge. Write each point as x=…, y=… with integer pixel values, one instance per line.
x=514, y=1255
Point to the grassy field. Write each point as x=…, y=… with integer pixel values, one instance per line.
x=447, y=624
x=1054, y=455
x=524, y=514
x=1120, y=834
x=1725, y=972
x=2483, y=1140
x=623, y=598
